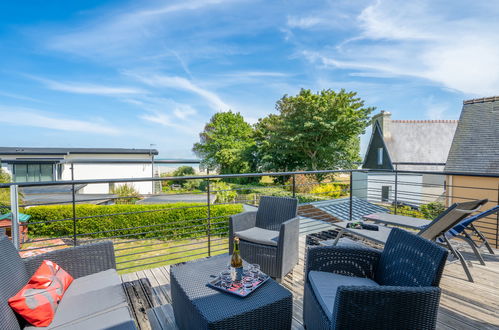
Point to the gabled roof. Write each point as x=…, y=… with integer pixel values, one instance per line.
x=65, y=151
x=420, y=141
x=475, y=147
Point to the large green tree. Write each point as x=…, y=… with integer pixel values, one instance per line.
x=312, y=131
x=227, y=144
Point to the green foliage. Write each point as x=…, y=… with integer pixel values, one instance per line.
x=223, y=192
x=279, y=192
x=227, y=144
x=128, y=192
x=5, y=192
x=168, y=221
x=407, y=211
x=4, y=176
x=182, y=171
x=431, y=210
x=312, y=132
x=331, y=190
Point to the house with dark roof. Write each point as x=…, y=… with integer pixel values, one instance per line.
x=410, y=145
x=475, y=150
x=54, y=164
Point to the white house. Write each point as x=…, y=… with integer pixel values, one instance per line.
x=407, y=145
x=55, y=164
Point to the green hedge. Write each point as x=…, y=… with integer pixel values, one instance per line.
x=168, y=222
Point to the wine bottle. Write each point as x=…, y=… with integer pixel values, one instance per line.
x=236, y=263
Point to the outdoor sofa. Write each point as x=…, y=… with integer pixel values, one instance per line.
x=95, y=299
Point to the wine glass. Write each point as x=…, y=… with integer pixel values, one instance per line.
x=255, y=271
x=225, y=279
x=248, y=283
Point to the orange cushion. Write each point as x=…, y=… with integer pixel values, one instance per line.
x=37, y=301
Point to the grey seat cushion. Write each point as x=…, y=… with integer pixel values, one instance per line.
x=96, y=301
x=325, y=285
x=259, y=236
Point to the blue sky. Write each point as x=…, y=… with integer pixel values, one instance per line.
x=131, y=74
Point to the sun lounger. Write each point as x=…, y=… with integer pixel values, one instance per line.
x=434, y=230
x=463, y=230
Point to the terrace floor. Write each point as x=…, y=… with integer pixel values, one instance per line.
x=463, y=305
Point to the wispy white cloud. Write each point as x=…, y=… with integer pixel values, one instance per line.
x=264, y=74
x=435, y=109
x=35, y=118
x=121, y=31
x=86, y=88
x=418, y=39
x=180, y=83
x=21, y=97
x=304, y=22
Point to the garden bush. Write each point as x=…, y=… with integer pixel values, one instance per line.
x=156, y=221
x=331, y=190
x=128, y=192
x=223, y=192
x=431, y=210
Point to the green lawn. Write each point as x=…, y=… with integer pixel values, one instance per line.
x=159, y=253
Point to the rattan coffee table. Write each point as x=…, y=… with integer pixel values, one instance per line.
x=197, y=306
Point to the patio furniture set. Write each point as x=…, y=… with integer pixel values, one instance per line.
x=348, y=285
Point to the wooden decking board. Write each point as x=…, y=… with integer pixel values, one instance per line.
x=463, y=305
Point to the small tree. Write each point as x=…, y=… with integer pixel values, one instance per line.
x=128, y=192
x=227, y=144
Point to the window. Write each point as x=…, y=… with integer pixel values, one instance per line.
x=380, y=156
x=33, y=172
x=385, y=193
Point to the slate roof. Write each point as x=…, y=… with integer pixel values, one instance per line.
x=340, y=208
x=475, y=147
x=420, y=141
x=64, y=151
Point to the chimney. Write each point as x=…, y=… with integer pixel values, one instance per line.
x=384, y=118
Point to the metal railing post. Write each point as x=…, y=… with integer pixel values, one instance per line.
x=350, y=211
x=209, y=215
x=73, y=194
x=395, y=199
x=294, y=186
x=14, y=209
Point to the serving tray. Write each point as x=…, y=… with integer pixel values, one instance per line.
x=238, y=289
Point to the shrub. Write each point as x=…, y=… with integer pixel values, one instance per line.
x=431, y=210
x=182, y=171
x=327, y=190
x=130, y=194
x=407, y=211
x=169, y=221
x=223, y=192
x=192, y=184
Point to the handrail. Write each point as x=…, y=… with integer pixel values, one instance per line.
x=242, y=175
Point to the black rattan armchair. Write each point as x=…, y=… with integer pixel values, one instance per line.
x=269, y=236
x=361, y=288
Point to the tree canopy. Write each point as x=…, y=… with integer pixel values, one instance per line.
x=312, y=131
x=226, y=144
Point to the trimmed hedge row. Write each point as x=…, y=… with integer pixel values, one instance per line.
x=169, y=221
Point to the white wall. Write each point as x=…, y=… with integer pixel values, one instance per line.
x=409, y=187
x=109, y=171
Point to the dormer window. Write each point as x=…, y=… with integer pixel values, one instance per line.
x=380, y=156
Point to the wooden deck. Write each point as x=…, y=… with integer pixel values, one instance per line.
x=463, y=305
